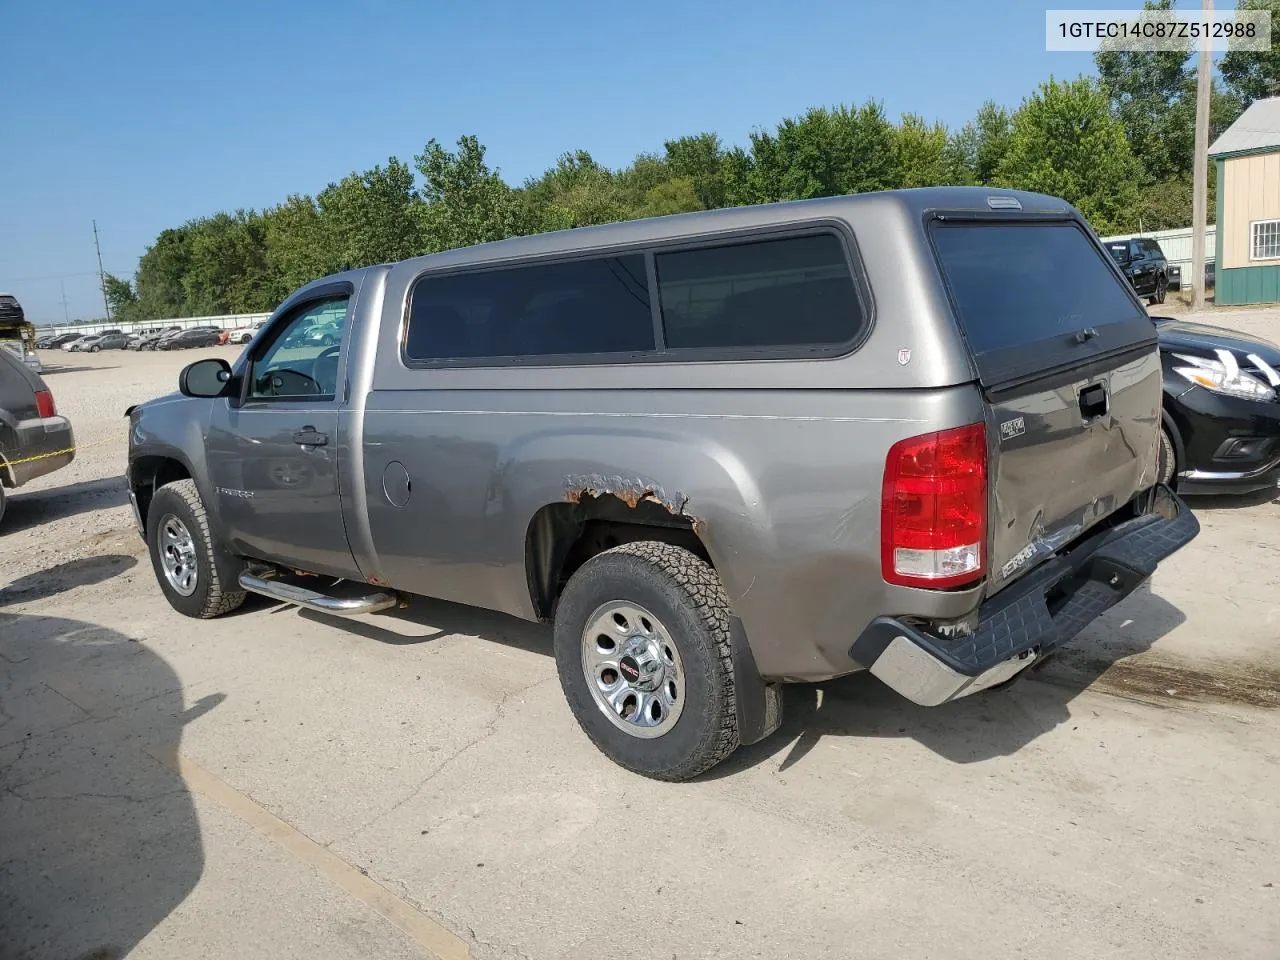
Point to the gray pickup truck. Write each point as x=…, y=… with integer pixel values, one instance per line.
x=719, y=451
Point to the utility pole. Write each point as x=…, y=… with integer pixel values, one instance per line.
x=102, y=279
x=66, y=317
x=1200, y=173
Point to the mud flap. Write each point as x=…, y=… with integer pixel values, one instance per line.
x=759, y=703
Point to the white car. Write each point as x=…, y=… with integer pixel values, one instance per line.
x=244, y=334
x=71, y=344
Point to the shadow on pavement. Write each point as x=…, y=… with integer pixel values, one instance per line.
x=1225, y=501
x=989, y=724
x=100, y=840
x=427, y=619
x=64, y=576
x=69, y=368
x=26, y=510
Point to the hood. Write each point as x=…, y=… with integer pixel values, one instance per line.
x=1184, y=335
x=153, y=402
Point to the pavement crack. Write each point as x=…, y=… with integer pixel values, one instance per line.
x=490, y=728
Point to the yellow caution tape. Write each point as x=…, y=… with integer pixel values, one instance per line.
x=58, y=453
x=39, y=456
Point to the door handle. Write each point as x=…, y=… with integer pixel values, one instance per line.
x=310, y=437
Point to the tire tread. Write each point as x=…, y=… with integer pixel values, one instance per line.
x=218, y=599
x=702, y=588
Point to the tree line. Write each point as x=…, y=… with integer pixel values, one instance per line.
x=1118, y=146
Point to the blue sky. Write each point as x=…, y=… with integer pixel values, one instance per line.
x=144, y=115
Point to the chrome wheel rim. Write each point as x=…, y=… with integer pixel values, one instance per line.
x=178, y=556
x=633, y=670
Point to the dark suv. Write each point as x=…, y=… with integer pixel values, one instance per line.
x=1143, y=263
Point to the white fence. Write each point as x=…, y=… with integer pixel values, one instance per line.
x=1176, y=244
x=226, y=322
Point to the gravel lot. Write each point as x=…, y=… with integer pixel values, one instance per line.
x=275, y=784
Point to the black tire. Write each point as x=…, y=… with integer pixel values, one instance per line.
x=1162, y=288
x=216, y=590
x=1168, y=462
x=4, y=500
x=686, y=595
x=95, y=348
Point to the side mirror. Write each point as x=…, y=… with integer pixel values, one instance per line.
x=205, y=378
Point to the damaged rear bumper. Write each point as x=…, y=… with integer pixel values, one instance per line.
x=1032, y=617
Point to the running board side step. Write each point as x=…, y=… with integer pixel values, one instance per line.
x=319, y=602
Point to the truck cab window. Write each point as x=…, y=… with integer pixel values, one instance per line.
x=301, y=362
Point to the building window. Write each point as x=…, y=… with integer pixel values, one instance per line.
x=1266, y=240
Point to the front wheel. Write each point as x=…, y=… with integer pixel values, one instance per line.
x=643, y=645
x=95, y=348
x=197, y=577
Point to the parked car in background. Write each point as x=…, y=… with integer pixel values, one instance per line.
x=1144, y=265
x=106, y=341
x=55, y=341
x=242, y=335
x=1221, y=411
x=194, y=337
x=149, y=338
x=322, y=334
x=34, y=439
x=1175, y=275
x=71, y=344
x=511, y=429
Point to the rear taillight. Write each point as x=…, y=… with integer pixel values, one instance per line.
x=933, y=526
x=44, y=404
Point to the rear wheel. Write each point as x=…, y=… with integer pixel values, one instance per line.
x=4, y=499
x=643, y=644
x=1168, y=462
x=1162, y=287
x=95, y=348
x=197, y=577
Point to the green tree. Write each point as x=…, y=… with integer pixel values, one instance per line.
x=300, y=245
x=1064, y=141
x=158, y=282
x=1153, y=95
x=576, y=192
x=228, y=271
x=975, y=152
x=920, y=153
x=699, y=159
x=466, y=202
x=120, y=295
x=1252, y=75
x=372, y=217
x=823, y=153
x=671, y=196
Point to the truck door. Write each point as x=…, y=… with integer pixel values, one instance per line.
x=273, y=457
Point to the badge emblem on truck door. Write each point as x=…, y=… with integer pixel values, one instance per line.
x=904, y=356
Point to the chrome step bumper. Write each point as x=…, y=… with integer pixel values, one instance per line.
x=314, y=600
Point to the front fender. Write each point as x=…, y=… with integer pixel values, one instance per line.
x=172, y=428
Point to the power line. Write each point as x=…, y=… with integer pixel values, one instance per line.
x=52, y=276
